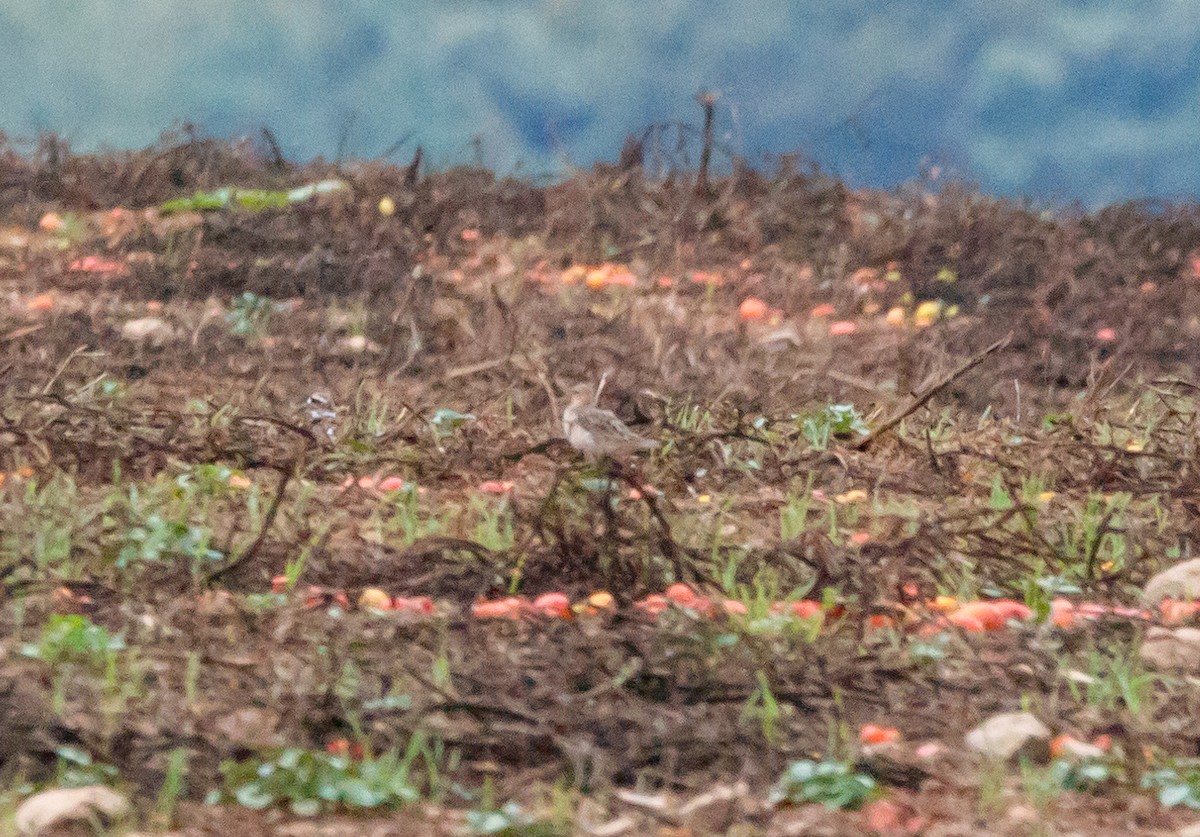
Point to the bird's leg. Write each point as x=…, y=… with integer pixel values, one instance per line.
x=551, y=496
x=610, y=469
x=666, y=540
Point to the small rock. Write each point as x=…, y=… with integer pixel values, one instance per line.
x=613, y=828
x=63, y=805
x=150, y=329
x=1080, y=677
x=1075, y=750
x=1172, y=650
x=1005, y=735
x=1180, y=582
x=1021, y=815
x=357, y=344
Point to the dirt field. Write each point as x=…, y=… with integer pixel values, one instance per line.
x=227, y=415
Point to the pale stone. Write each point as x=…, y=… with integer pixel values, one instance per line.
x=1003, y=736
x=61, y=805
x=613, y=828
x=152, y=329
x=1076, y=750
x=357, y=344
x=1169, y=649
x=1180, y=582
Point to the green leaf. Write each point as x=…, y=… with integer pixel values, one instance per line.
x=289, y=759
x=1000, y=499
x=357, y=793
x=75, y=755
x=487, y=822
x=445, y=418
x=252, y=796
x=1172, y=795
x=305, y=807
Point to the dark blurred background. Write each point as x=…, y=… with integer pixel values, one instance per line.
x=1056, y=100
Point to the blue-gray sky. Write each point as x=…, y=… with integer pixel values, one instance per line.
x=1057, y=100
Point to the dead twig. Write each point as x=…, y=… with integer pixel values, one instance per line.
x=933, y=389
x=708, y=101
x=285, y=477
x=474, y=368
x=278, y=161
x=412, y=174
x=81, y=351
x=649, y=496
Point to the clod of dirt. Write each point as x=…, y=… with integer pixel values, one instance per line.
x=894, y=765
x=63, y=805
x=1172, y=650
x=250, y=727
x=1180, y=582
x=1005, y=735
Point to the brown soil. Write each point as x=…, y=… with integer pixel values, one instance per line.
x=397, y=316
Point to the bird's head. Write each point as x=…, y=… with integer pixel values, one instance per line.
x=581, y=395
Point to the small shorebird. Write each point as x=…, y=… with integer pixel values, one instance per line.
x=598, y=432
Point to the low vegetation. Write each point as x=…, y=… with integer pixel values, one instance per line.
x=287, y=528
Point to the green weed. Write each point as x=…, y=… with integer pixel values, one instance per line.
x=793, y=515
x=76, y=769
x=1115, y=681
x=46, y=527
x=309, y=782
x=511, y=820
x=834, y=421
x=173, y=787
x=71, y=638
x=1176, y=785
x=834, y=783
x=250, y=314
x=763, y=708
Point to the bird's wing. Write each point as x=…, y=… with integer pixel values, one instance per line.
x=604, y=426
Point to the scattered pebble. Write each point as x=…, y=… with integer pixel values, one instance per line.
x=152, y=329
x=1005, y=735
x=60, y=806
x=1181, y=582
x=1169, y=649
